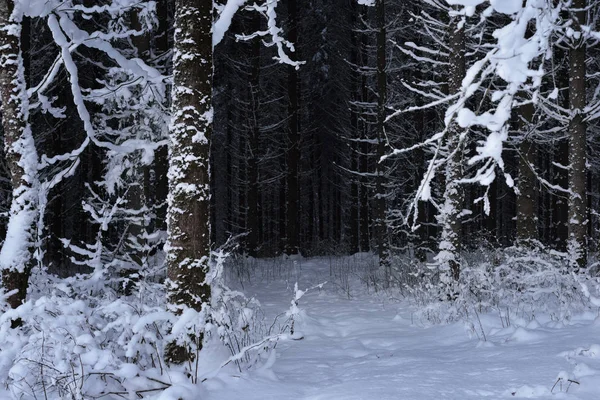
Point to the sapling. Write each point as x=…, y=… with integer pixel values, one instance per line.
x=294, y=313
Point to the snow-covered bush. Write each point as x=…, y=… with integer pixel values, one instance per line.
x=512, y=281
x=295, y=314
x=78, y=342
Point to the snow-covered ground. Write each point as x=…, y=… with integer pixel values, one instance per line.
x=370, y=347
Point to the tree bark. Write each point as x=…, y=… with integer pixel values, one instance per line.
x=293, y=148
x=449, y=247
x=364, y=213
x=527, y=197
x=138, y=198
x=188, y=233
x=253, y=189
x=380, y=203
x=16, y=256
x=161, y=163
x=353, y=223
x=577, y=244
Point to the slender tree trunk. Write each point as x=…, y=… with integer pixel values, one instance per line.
x=253, y=194
x=188, y=234
x=242, y=187
x=293, y=149
x=308, y=240
x=559, y=232
x=423, y=236
x=16, y=256
x=230, y=219
x=494, y=221
x=365, y=238
x=321, y=199
x=282, y=220
x=527, y=197
x=138, y=191
x=380, y=203
x=577, y=245
x=161, y=163
x=449, y=247
x=353, y=224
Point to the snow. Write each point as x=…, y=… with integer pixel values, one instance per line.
x=269, y=10
x=369, y=347
x=354, y=343
x=221, y=26
x=501, y=6
x=507, y=6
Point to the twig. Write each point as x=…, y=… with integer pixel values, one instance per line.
x=480, y=325
x=570, y=381
x=555, y=383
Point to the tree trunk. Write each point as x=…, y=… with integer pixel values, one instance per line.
x=188, y=233
x=449, y=247
x=293, y=149
x=380, y=203
x=363, y=168
x=16, y=256
x=138, y=199
x=161, y=163
x=253, y=193
x=527, y=197
x=577, y=245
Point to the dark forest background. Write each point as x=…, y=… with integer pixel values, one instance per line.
x=296, y=152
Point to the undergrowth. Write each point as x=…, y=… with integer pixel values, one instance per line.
x=81, y=340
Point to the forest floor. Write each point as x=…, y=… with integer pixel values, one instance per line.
x=361, y=345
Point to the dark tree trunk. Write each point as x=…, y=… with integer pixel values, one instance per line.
x=16, y=257
x=353, y=223
x=188, y=238
x=293, y=141
x=577, y=245
x=491, y=221
x=139, y=185
x=161, y=163
x=365, y=238
x=253, y=189
x=527, y=197
x=559, y=232
x=450, y=243
x=242, y=186
x=380, y=195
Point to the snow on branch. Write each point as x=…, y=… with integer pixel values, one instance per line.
x=267, y=9
x=520, y=45
x=226, y=13
x=517, y=49
x=60, y=23
x=514, y=61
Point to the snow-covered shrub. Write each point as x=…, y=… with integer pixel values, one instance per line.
x=79, y=342
x=295, y=314
x=238, y=320
x=515, y=280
